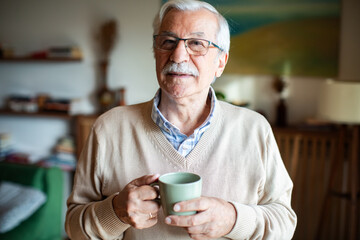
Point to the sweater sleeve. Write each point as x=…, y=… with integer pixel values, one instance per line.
x=90, y=215
x=272, y=217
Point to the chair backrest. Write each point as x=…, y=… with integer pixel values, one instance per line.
x=307, y=155
x=289, y=146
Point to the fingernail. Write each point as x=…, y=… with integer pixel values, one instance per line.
x=176, y=208
x=167, y=220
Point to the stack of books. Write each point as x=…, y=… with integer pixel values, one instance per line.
x=63, y=155
x=5, y=146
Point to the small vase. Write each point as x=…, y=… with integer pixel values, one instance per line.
x=281, y=113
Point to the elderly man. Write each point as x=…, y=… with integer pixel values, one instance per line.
x=246, y=189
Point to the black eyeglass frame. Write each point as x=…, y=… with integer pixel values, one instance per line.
x=186, y=39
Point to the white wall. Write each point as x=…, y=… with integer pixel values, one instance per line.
x=29, y=26
x=34, y=25
x=301, y=95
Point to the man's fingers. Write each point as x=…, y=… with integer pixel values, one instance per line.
x=144, y=193
x=215, y=217
x=150, y=207
x=140, y=188
x=187, y=221
x=197, y=204
x=198, y=236
x=194, y=230
x=143, y=220
x=145, y=180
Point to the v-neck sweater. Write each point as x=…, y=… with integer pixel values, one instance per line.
x=237, y=158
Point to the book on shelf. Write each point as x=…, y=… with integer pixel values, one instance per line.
x=6, y=146
x=64, y=52
x=63, y=155
x=67, y=163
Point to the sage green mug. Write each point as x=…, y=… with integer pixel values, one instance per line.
x=176, y=187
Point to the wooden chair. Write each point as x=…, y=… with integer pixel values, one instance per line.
x=307, y=154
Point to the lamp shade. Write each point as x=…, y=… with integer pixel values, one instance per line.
x=340, y=102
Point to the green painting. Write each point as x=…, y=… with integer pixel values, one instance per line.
x=283, y=37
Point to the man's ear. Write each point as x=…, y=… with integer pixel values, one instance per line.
x=223, y=58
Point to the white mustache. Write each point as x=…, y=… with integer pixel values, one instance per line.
x=181, y=68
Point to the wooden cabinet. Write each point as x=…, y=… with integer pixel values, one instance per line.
x=83, y=125
x=322, y=163
x=307, y=155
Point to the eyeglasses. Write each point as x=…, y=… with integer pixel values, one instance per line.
x=194, y=46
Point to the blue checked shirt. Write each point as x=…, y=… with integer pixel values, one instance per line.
x=182, y=143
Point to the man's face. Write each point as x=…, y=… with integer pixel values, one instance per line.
x=189, y=24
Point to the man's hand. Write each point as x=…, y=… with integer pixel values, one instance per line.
x=215, y=217
x=134, y=203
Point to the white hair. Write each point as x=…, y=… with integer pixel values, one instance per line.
x=223, y=32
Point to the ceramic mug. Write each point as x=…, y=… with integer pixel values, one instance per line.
x=176, y=187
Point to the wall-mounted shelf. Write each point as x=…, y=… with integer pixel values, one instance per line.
x=4, y=112
x=30, y=59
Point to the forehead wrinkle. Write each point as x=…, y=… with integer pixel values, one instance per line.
x=199, y=34
x=169, y=33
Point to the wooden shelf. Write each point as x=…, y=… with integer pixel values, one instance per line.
x=30, y=59
x=61, y=115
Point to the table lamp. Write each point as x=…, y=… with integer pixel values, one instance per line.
x=340, y=102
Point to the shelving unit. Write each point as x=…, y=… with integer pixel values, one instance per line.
x=25, y=59
x=57, y=118
x=4, y=112
x=30, y=59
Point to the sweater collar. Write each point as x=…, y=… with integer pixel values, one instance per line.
x=168, y=127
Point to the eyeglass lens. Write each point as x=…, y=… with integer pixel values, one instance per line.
x=194, y=46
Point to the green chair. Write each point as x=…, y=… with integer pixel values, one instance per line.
x=46, y=222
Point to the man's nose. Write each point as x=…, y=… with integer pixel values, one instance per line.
x=180, y=53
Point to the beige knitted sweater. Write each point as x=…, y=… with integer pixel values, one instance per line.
x=237, y=157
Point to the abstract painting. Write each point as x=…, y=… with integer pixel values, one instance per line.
x=282, y=37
